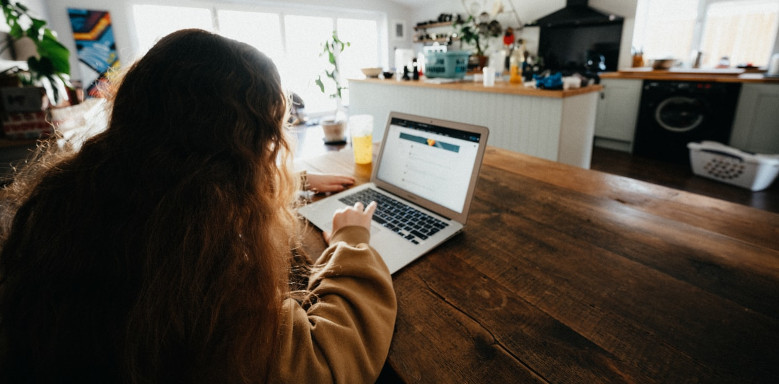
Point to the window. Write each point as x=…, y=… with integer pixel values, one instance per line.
x=667, y=28
x=304, y=36
x=155, y=21
x=260, y=30
x=293, y=41
x=742, y=30
x=363, y=52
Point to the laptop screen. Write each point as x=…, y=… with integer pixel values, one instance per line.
x=429, y=160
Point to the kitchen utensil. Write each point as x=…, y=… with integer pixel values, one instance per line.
x=663, y=64
x=371, y=72
x=696, y=59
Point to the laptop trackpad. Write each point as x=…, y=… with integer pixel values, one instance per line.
x=375, y=228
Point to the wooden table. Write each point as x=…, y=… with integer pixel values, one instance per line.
x=567, y=275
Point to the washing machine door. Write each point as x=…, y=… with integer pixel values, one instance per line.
x=681, y=113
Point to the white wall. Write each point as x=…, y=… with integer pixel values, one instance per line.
x=55, y=11
x=123, y=24
x=529, y=11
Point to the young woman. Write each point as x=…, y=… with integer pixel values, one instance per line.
x=161, y=250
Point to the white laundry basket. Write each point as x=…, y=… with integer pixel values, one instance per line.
x=730, y=165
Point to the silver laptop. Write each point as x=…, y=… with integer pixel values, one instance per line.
x=423, y=180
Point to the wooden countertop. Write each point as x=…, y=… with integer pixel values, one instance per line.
x=502, y=87
x=682, y=74
x=571, y=275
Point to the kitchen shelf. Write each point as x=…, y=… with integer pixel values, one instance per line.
x=433, y=25
x=423, y=37
x=442, y=40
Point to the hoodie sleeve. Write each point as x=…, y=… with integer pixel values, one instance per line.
x=344, y=335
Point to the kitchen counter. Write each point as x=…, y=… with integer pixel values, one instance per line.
x=756, y=111
x=687, y=74
x=553, y=124
x=503, y=87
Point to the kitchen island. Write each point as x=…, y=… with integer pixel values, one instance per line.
x=556, y=125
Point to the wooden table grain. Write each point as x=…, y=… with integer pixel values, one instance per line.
x=567, y=275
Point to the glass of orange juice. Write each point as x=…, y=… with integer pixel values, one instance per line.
x=361, y=132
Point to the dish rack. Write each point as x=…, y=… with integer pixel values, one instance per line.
x=729, y=165
x=451, y=64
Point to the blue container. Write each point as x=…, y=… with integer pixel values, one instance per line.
x=450, y=65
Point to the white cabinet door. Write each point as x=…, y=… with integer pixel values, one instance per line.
x=756, y=124
x=618, y=109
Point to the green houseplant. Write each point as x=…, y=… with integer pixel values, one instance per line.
x=50, y=69
x=331, y=85
x=331, y=48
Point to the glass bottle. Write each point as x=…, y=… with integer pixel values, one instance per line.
x=515, y=66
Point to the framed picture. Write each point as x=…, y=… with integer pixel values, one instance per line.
x=95, y=46
x=398, y=29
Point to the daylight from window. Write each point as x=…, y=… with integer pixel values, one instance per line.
x=155, y=21
x=363, y=53
x=303, y=63
x=260, y=30
x=743, y=31
x=293, y=42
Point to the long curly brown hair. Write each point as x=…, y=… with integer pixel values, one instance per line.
x=159, y=252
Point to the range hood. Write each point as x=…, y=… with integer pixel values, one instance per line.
x=575, y=13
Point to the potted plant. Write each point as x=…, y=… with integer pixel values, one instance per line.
x=331, y=85
x=50, y=69
x=472, y=31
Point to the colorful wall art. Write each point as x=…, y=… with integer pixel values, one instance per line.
x=95, y=46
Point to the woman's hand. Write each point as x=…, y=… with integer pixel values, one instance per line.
x=324, y=183
x=356, y=215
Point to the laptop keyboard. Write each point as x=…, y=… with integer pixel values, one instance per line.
x=408, y=222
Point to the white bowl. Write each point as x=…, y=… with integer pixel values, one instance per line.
x=371, y=72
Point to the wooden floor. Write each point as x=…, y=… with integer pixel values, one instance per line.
x=681, y=177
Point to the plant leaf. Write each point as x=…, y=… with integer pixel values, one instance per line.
x=16, y=31
x=37, y=23
x=57, y=53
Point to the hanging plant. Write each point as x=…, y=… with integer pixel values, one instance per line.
x=50, y=69
x=478, y=32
